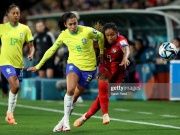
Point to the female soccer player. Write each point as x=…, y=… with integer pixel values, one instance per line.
x=13, y=36
x=81, y=65
x=116, y=51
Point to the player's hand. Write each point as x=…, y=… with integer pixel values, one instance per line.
x=33, y=69
x=30, y=57
x=124, y=62
x=101, y=56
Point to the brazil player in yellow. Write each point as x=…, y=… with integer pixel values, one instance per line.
x=81, y=66
x=13, y=36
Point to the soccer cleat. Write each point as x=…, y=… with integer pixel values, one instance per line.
x=10, y=118
x=66, y=126
x=106, y=119
x=59, y=126
x=80, y=121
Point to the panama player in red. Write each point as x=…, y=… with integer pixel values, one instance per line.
x=112, y=70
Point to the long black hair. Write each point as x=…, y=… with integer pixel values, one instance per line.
x=110, y=25
x=10, y=7
x=63, y=19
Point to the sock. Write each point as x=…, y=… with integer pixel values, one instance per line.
x=72, y=108
x=15, y=101
x=93, y=109
x=103, y=96
x=11, y=102
x=68, y=100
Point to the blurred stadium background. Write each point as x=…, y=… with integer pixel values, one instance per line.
x=40, y=103
x=145, y=22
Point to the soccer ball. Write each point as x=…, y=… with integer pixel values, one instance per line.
x=167, y=51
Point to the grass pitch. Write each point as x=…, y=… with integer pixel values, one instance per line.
x=127, y=118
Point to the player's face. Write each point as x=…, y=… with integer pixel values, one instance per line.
x=72, y=25
x=111, y=35
x=14, y=14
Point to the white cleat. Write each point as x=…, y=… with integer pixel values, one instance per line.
x=66, y=126
x=59, y=126
x=106, y=119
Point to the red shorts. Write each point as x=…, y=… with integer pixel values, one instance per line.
x=114, y=72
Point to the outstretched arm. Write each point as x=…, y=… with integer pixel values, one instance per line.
x=46, y=56
x=125, y=60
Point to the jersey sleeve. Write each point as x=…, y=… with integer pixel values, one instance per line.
x=123, y=42
x=47, y=55
x=96, y=35
x=29, y=36
x=51, y=50
x=59, y=40
x=1, y=30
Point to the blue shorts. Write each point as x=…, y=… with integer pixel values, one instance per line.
x=9, y=71
x=85, y=77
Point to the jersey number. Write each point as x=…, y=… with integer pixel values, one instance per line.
x=89, y=78
x=78, y=48
x=109, y=57
x=13, y=41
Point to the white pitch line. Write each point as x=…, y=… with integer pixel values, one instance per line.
x=122, y=110
x=98, y=117
x=169, y=116
x=145, y=113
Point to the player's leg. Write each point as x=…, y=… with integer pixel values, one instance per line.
x=4, y=86
x=78, y=91
x=103, y=80
x=11, y=75
x=72, y=78
x=103, y=96
x=92, y=110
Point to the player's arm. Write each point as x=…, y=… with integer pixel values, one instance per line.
x=99, y=37
x=31, y=50
x=48, y=54
x=125, y=60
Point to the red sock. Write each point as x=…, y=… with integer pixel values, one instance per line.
x=93, y=109
x=103, y=96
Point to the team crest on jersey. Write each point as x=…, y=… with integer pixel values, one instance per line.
x=8, y=70
x=83, y=41
x=113, y=50
x=21, y=35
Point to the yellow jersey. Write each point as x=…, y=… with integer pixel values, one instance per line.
x=12, y=41
x=80, y=46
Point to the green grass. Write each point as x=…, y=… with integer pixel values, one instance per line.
x=40, y=122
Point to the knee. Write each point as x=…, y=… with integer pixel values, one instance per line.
x=70, y=91
x=103, y=77
x=103, y=87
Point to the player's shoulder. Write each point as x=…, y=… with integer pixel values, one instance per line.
x=122, y=40
x=23, y=26
x=4, y=25
x=121, y=37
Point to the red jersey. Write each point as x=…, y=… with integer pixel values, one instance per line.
x=113, y=56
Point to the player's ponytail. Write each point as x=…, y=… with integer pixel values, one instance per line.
x=63, y=19
x=98, y=26
x=10, y=7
